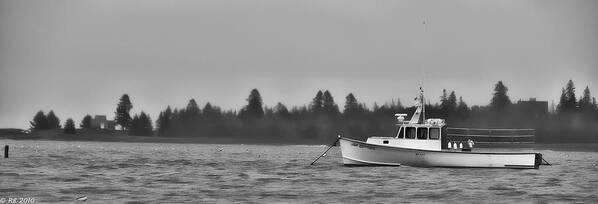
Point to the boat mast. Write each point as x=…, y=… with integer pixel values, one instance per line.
x=423, y=104
x=420, y=109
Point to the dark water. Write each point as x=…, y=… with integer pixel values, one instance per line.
x=106, y=172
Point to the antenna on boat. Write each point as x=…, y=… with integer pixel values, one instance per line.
x=421, y=89
x=423, y=104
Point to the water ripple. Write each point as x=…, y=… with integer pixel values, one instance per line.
x=59, y=172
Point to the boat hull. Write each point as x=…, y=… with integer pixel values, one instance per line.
x=356, y=152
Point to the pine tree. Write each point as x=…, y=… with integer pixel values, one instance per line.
x=69, y=126
x=328, y=106
x=159, y=124
x=500, y=100
x=568, y=101
x=444, y=104
x=189, y=118
x=254, y=108
x=397, y=106
x=595, y=107
x=561, y=107
x=317, y=103
x=134, y=126
x=352, y=107
x=40, y=121
x=192, y=108
x=122, y=112
x=146, y=124
x=164, y=122
x=585, y=102
x=281, y=111
x=211, y=112
x=462, y=111
x=452, y=103
x=86, y=122
x=141, y=125
x=444, y=98
x=53, y=121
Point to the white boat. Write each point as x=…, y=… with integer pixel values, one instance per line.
x=419, y=143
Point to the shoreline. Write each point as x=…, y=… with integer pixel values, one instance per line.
x=118, y=136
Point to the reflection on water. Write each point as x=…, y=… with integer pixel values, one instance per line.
x=53, y=171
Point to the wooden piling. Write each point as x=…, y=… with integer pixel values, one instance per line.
x=5, y=151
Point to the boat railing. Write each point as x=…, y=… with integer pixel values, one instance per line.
x=492, y=136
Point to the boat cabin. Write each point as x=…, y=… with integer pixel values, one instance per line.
x=417, y=133
x=426, y=136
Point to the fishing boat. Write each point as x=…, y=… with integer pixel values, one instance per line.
x=419, y=142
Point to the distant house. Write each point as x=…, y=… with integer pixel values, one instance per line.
x=100, y=122
x=533, y=108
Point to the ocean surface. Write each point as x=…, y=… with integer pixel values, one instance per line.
x=112, y=172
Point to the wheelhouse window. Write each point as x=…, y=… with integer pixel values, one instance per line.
x=401, y=133
x=410, y=132
x=422, y=133
x=434, y=133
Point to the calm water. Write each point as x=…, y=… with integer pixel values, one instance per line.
x=106, y=172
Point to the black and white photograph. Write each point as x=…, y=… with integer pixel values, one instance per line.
x=298, y=101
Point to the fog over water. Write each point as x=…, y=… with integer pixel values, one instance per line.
x=78, y=57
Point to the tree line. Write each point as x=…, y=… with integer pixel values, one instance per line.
x=321, y=120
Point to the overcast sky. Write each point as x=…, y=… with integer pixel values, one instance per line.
x=77, y=57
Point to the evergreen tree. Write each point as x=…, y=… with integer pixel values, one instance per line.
x=568, y=101
x=317, y=103
x=192, y=108
x=585, y=102
x=328, y=106
x=397, y=106
x=189, y=119
x=211, y=112
x=444, y=98
x=281, y=111
x=254, y=108
x=86, y=122
x=69, y=126
x=452, y=103
x=146, y=121
x=444, y=104
x=122, y=112
x=40, y=121
x=141, y=125
x=562, y=101
x=164, y=122
x=352, y=107
x=595, y=107
x=500, y=100
x=159, y=124
x=134, y=126
x=53, y=121
x=462, y=111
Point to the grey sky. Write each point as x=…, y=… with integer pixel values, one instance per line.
x=79, y=56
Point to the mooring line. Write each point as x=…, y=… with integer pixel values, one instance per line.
x=546, y=162
x=312, y=163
